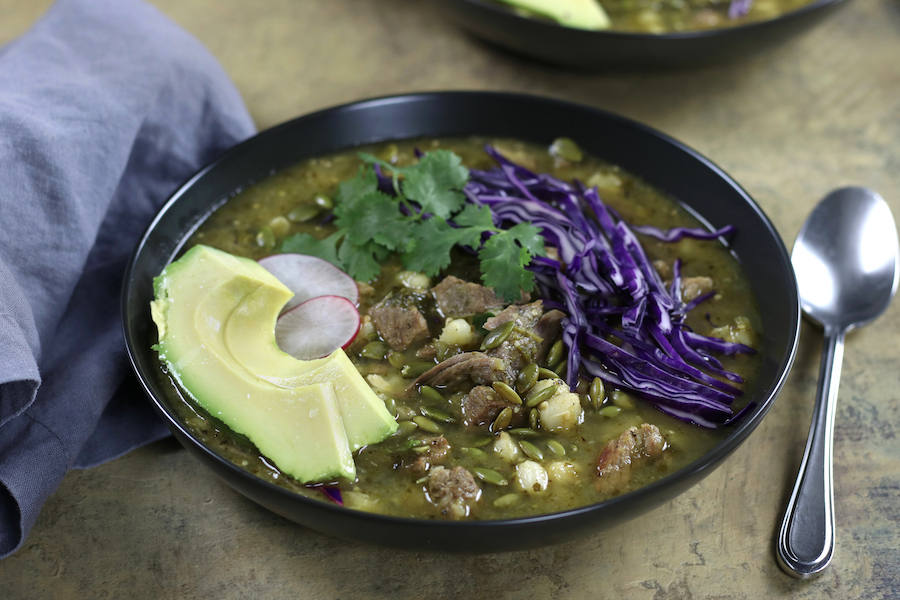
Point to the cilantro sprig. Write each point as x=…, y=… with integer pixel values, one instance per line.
x=422, y=218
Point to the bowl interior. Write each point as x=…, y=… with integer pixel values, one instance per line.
x=663, y=162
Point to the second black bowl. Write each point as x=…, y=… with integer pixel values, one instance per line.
x=609, y=50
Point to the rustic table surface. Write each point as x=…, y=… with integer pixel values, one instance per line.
x=818, y=112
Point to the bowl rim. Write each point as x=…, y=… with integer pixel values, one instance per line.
x=700, y=467
x=749, y=27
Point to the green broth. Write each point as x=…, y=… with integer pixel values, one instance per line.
x=383, y=483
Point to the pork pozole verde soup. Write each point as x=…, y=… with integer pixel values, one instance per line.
x=652, y=16
x=497, y=416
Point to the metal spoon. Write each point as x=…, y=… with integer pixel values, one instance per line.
x=846, y=259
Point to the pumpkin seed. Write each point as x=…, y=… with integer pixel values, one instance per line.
x=556, y=448
x=474, y=452
x=413, y=369
x=506, y=392
x=531, y=451
x=265, y=238
x=622, y=400
x=280, y=226
x=561, y=369
x=442, y=350
x=528, y=376
x=544, y=373
x=498, y=335
x=390, y=153
x=610, y=411
x=405, y=428
x=566, y=149
x=490, y=476
x=420, y=449
x=396, y=359
x=503, y=420
x=436, y=414
x=431, y=394
x=523, y=432
x=597, y=392
x=427, y=424
x=556, y=352
x=482, y=441
x=405, y=413
x=506, y=500
x=375, y=350
x=544, y=394
x=303, y=212
x=534, y=419
x=322, y=201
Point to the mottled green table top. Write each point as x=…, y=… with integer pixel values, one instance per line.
x=819, y=112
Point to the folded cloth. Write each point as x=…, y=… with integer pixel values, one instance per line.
x=105, y=107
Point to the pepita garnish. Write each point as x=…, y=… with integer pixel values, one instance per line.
x=503, y=420
x=430, y=393
x=405, y=428
x=528, y=376
x=436, y=414
x=506, y=500
x=374, y=350
x=545, y=373
x=490, y=476
x=597, y=392
x=413, y=369
x=531, y=451
x=610, y=411
x=555, y=354
x=498, y=335
x=537, y=398
x=506, y=392
x=303, y=212
x=556, y=448
x=427, y=424
x=474, y=452
x=534, y=419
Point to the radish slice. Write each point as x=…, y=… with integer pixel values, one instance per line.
x=317, y=327
x=309, y=277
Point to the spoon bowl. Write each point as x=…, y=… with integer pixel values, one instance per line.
x=846, y=260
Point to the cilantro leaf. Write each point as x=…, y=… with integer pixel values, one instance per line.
x=430, y=253
x=362, y=263
x=529, y=237
x=475, y=215
x=352, y=190
x=303, y=243
x=377, y=218
x=435, y=182
x=503, y=266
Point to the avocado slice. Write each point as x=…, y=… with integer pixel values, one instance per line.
x=581, y=14
x=216, y=314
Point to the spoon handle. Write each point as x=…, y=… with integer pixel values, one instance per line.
x=806, y=539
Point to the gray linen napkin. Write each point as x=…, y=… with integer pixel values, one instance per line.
x=105, y=107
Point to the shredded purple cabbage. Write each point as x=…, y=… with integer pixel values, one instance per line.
x=608, y=288
x=677, y=233
x=739, y=8
x=334, y=494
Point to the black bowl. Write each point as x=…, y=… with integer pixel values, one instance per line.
x=608, y=50
x=687, y=176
